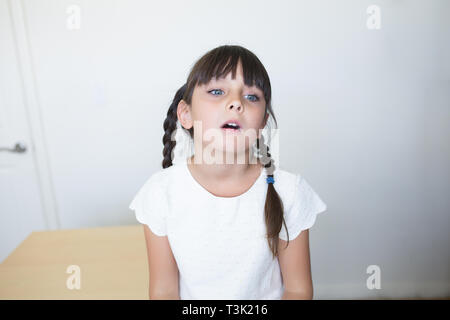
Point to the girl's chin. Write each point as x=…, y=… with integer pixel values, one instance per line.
x=228, y=156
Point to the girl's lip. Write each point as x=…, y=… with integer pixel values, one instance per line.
x=229, y=130
x=232, y=121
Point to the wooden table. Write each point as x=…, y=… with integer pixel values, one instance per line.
x=112, y=261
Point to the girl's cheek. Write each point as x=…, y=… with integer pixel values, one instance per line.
x=211, y=99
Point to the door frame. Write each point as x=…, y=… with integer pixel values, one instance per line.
x=38, y=145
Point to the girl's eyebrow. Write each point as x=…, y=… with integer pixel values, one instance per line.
x=223, y=79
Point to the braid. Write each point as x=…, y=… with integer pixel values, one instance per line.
x=170, y=126
x=273, y=208
x=265, y=156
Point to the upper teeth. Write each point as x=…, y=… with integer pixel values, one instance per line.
x=232, y=124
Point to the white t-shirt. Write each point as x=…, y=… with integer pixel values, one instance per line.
x=220, y=243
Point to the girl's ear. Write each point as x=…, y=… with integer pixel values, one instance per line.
x=184, y=114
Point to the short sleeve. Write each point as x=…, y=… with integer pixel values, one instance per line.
x=305, y=206
x=150, y=206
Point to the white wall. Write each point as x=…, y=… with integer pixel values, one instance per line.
x=363, y=115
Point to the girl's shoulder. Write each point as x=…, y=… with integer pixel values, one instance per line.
x=286, y=178
x=285, y=182
x=160, y=179
x=293, y=187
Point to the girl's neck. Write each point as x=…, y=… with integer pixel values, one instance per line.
x=225, y=171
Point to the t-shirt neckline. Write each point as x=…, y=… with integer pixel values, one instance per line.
x=206, y=192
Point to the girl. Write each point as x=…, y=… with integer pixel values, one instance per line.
x=214, y=230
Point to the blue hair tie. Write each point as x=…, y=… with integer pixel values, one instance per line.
x=270, y=180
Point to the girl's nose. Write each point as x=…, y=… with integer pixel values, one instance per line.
x=235, y=105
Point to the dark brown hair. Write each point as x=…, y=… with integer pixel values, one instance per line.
x=217, y=63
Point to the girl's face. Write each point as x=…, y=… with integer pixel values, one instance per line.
x=215, y=103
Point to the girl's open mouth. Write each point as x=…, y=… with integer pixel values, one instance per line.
x=231, y=128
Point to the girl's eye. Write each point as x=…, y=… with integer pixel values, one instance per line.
x=214, y=90
x=256, y=98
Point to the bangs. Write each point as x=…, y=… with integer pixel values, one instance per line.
x=219, y=62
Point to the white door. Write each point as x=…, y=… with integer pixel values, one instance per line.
x=21, y=209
